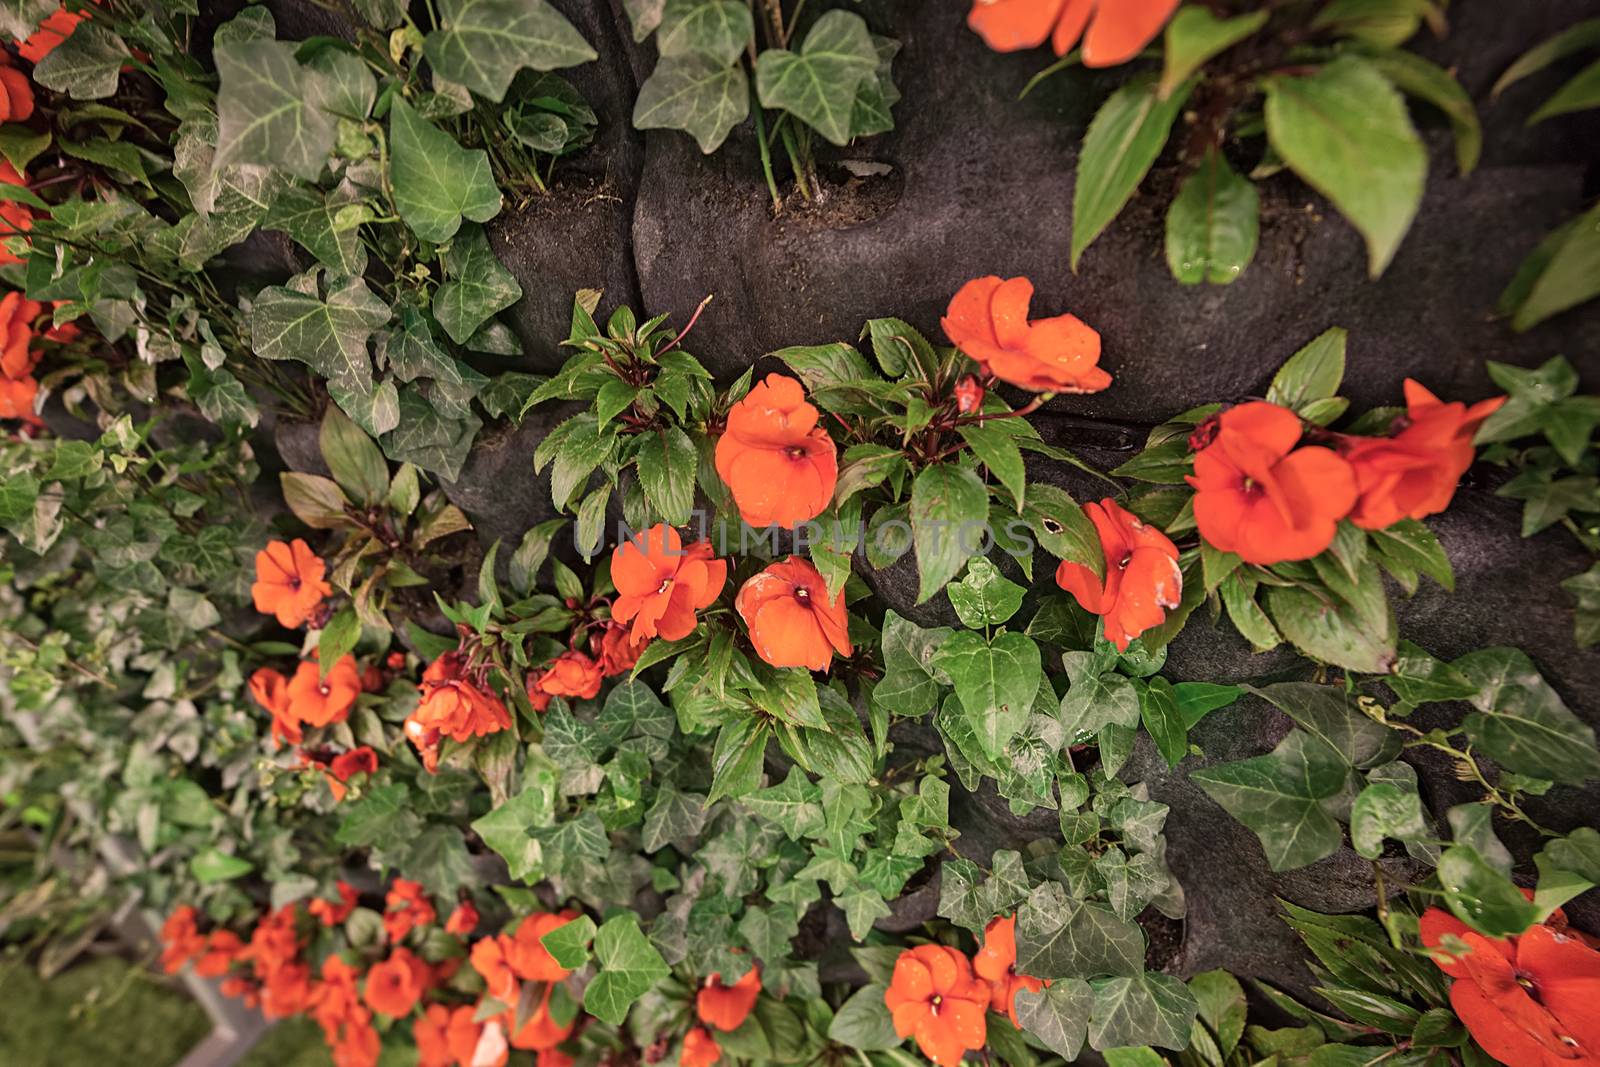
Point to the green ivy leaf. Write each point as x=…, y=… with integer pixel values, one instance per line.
x=1383, y=810
x=568, y=944
x=863, y=1022
x=674, y=817
x=310, y=218
x=329, y=336
x=1062, y=937
x=1143, y=1009
x=437, y=183
x=1332, y=715
x=428, y=439
x=995, y=682
x=1345, y=131
x=483, y=43
x=715, y=29
x=699, y=96
x=1122, y=142
x=1058, y=1015
x=1482, y=897
x=629, y=968
x=507, y=829
x=1280, y=796
x=985, y=597
x=86, y=65
x=794, y=806
x=818, y=85
x=478, y=285
x=265, y=113
x=1163, y=721
x=1213, y=223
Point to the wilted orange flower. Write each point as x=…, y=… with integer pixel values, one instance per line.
x=727, y=1006
x=661, y=584
x=700, y=1049
x=395, y=985
x=17, y=399
x=1413, y=474
x=1118, y=30
x=182, y=939
x=289, y=582
x=331, y=913
x=406, y=907
x=969, y=394
x=1142, y=576
x=616, y=650
x=17, y=355
x=463, y=920
x=16, y=93
x=988, y=320
x=996, y=963
x=525, y=951
x=779, y=464
x=934, y=997
x=540, y=1031
x=455, y=706
x=431, y=1034
x=316, y=700
x=1258, y=495
x=57, y=27
x=271, y=690
x=1528, y=1000
x=572, y=674
x=792, y=622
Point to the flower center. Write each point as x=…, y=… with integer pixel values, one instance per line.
x=666, y=584
x=795, y=452
x=323, y=688
x=802, y=594
x=1250, y=485
x=1122, y=564
x=934, y=1003
x=294, y=582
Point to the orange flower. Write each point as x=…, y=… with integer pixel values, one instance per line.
x=223, y=947
x=289, y=582
x=359, y=1047
x=476, y=1044
x=573, y=674
x=271, y=690
x=1529, y=1000
x=1414, y=473
x=780, y=466
x=286, y=991
x=996, y=963
x=988, y=320
x=315, y=700
x=700, y=1049
x=431, y=1033
x=488, y=958
x=525, y=950
x=17, y=397
x=934, y=997
x=331, y=913
x=661, y=584
x=727, y=1007
x=17, y=357
x=395, y=985
x=1142, y=576
x=347, y=765
x=463, y=920
x=182, y=939
x=15, y=218
x=406, y=907
x=1118, y=30
x=536, y=695
x=792, y=622
x=1258, y=495
x=540, y=1031
x=16, y=94
x=51, y=32
x=616, y=650
x=554, y=1057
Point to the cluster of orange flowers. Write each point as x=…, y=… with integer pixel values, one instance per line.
x=1528, y=1000
x=270, y=971
x=18, y=356
x=458, y=703
x=941, y=998
x=578, y=674
x=721, y=1007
